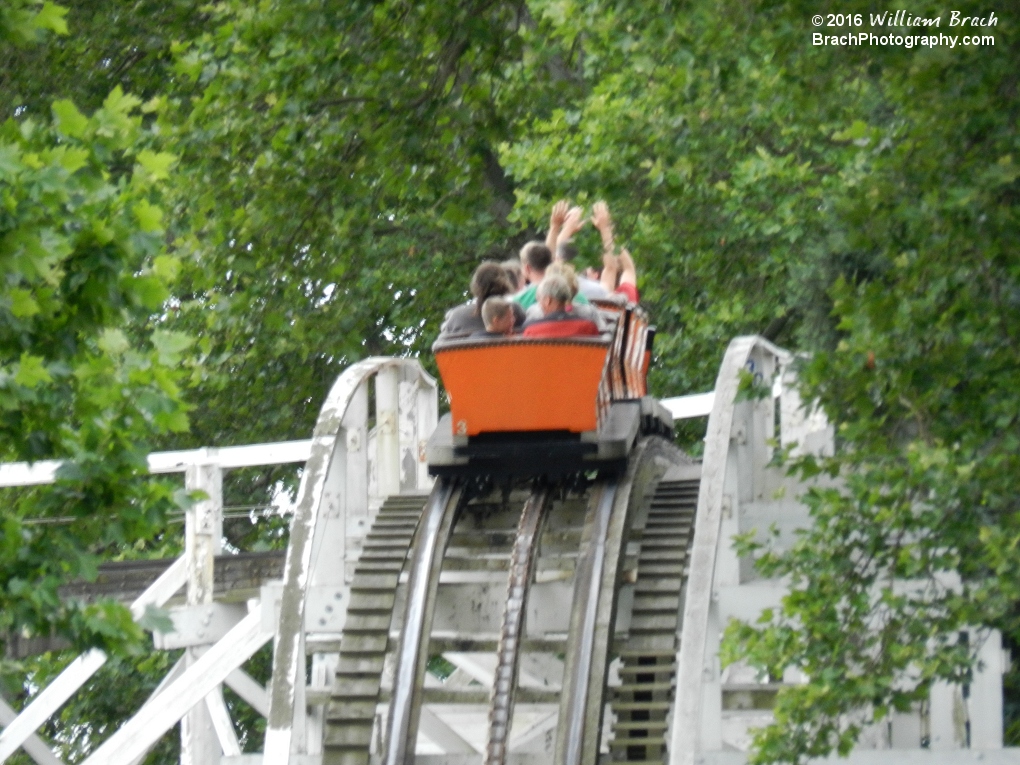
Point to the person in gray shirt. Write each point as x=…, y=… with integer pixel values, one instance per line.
x=489, y=280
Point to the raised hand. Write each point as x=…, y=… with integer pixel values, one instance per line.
x=572, y=223
x=627, y=263
x=556, y=217
x=559, y=212
x=603, y=221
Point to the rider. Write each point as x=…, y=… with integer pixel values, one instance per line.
x=556, y=321
x=488, y=281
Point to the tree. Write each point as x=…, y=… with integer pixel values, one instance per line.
x=341, y=170
x=340, y=180
x=85, y=374
x=823, y=197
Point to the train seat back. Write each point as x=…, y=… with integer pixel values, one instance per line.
x=523, y=384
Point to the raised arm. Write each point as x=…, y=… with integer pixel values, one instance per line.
x=603, y=221
x=572, y=223
x=610, y=271
x=556, y=217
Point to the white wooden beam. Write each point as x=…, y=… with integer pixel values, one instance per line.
x=49, y=701
x=688, y=407
x=225, y=732
x=520, y=740
x=165, y=587
x=173, y=674
x=228, y=457
x=481, y=667
x=194, y=684
x=245, y=686
x=250, y=455
x=82, y=668
x=441, y=734
x=36, y=748
x=540, y=670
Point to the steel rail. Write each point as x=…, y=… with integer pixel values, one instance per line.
x=431, y=539
x=589, y=578
x=522, y=562
x=615, y=505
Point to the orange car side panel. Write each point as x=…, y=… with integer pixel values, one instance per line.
x=523, y=385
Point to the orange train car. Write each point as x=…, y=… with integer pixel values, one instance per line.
x=546, y=406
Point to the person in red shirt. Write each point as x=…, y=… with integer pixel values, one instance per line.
x=623, y=268
x=553, y=297
x=618, y=276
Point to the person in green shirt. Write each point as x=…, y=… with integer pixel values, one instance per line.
x=535, y=259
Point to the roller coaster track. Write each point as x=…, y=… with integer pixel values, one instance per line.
x=350, y=714
x=560, y=606
x=413, y=542
x=641, y=703
x=522, y=560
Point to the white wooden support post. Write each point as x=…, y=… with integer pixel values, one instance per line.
x=761, y=423
x=428, y=415
x=387, y=391
x=203, y=531
x=356, y=488
x=986, y=695
x=407, y=431
x=946, y=717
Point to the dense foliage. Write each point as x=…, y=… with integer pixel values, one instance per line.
x=341, y=169
x=87, y=373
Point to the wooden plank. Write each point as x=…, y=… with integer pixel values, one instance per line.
x=194, y=684
x=36, y=748
x=245, y=686
x=221, y=723
x=82, y=668
x=688, y=407
x=250, y=455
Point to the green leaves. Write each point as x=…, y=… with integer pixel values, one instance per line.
x=26, y=21
x=86, y=373
x=149, y=217
x=69, y=120
x=156, y=164
x=170, y=346
x=23, y=304
x=30, y=371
